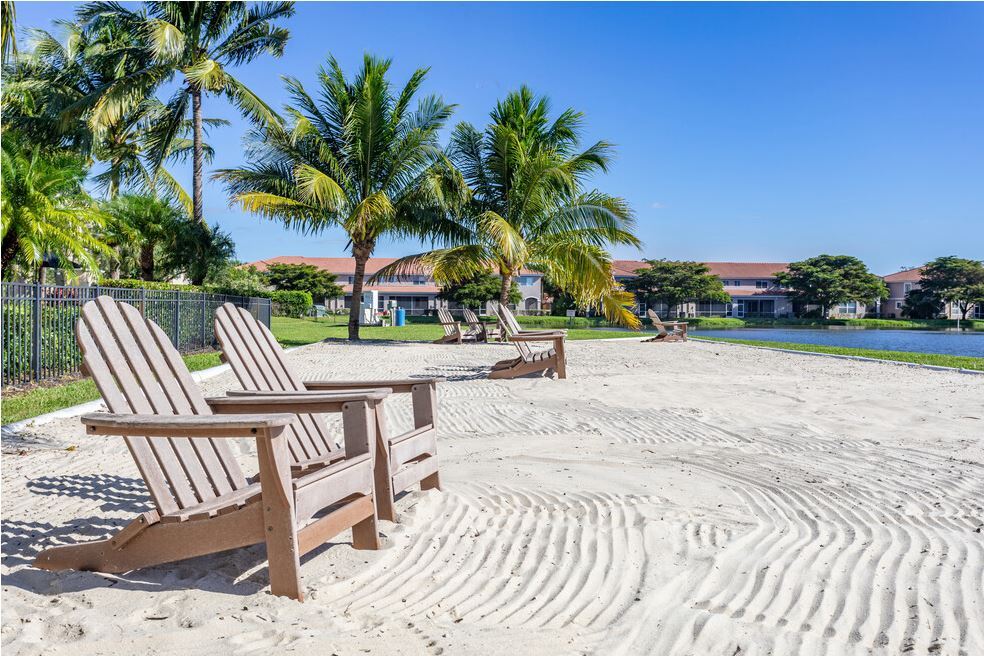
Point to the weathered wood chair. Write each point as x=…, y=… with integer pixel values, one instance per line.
x=452, y=329
x=484, y=332
x=530, y=361
x=401, y=461
x=179, y=440
x=677, y=332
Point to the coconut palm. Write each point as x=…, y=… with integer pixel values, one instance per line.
x=360, y=158
x=529, y=208
x=198, y=41
x=8, y=36
x=45, y=212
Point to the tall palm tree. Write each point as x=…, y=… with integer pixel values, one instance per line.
x=529, y=208
x=45, y=211
x=358, y=158
x=8, y=35
x=198, y=41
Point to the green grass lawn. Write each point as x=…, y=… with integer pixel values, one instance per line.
x=957, y=361
x=40, y=400
x=297, y=332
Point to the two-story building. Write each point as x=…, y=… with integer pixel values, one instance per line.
x=416, y=292
x=752, y=287
x=903, y=282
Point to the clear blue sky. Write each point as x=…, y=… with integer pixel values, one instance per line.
x=745, y=132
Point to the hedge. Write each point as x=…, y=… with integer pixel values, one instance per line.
x=133, y=283
x=291, y=304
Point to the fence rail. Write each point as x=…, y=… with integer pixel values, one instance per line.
x=38, y=324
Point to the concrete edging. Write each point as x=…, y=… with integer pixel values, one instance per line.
x=933, y=367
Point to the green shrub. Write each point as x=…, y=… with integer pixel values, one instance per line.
x=291, y=304
x=560, y=322
x=133, y=283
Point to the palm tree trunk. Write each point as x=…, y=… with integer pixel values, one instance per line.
x=361, y=252
x=506, y=288
x=8, y=251
x=196, y=189
x=147, y=261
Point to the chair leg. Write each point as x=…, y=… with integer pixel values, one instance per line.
x=279, y=519
x=365, y=535
x=431, y=482
x=382, y=476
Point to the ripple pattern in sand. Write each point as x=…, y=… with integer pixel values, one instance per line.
x=841, y=561
x=509, y=557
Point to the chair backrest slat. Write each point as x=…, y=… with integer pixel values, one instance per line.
x=258, y=362
x=137, y=370
x=473, y=321
x=657, y=323
x=512, y=328
x=447, y=322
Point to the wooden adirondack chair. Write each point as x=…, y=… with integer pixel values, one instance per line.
x=401, y=461
x=677, y=332
x=529, y=361
x=484, y=332
x=452, y=329
x=179, y=440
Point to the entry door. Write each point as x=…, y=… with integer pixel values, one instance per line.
x=740, y=309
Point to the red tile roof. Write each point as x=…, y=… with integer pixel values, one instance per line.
x=908, y=275
x=723, y=270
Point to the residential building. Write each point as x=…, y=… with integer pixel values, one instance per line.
x=752, y=287
x=902, y=282
x=416, y=292
x=899, y=284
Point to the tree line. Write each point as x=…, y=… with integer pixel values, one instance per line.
x=358, y=152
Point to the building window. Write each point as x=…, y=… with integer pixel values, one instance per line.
x=849, y=308
x=527, y=281
x=906, y=287
x=898, y=305
x=761, y=284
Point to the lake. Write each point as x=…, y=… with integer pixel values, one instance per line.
x=919, y=341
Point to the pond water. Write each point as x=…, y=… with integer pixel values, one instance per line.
x=919, y=341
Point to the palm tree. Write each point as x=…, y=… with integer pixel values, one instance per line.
x=528, y=207
x=199, y=41
x=45, y=212
x=8, y=36
x=151, y=221
x=359, y=158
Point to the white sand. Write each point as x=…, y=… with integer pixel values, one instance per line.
x=665, y=499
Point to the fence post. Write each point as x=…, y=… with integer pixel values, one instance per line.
x=204, y=318
x=143, y=302
x=36, y=333
x=177, y=321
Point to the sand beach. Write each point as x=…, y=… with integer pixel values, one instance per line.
x=688, y=498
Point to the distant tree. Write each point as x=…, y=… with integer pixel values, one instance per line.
x=920, y=304
x=827, y=280
x=237, y=280
x=954, y=280
x=478, y=290
x=673, y=283
x=141, y=225
x=304, y=278
x=197, y=250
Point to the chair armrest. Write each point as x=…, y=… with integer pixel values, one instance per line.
x=399, y=385
x=538, y=337
x=248, y=425
x=294, y=402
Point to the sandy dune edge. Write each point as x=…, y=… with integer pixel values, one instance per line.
x=670, y=499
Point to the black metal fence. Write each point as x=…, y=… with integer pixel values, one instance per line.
x=38, y=324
